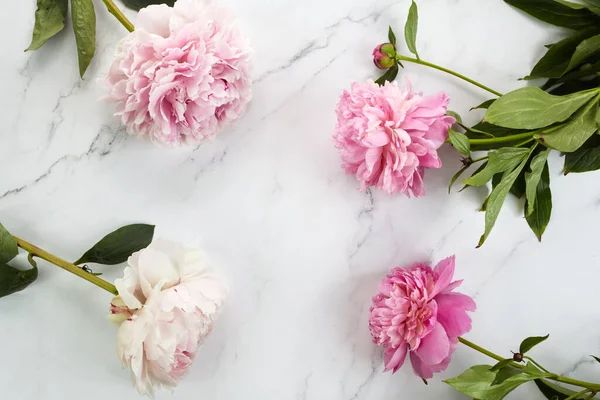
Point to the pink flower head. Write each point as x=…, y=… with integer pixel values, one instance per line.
x=416, y=310
x=387, y=136
x=383, y=55
x=183, y=74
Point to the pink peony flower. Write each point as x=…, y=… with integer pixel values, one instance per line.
x=417, y=311
x=183, y=74
x=388, y=136
x=167, y=305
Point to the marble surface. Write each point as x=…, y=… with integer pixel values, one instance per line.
x=303, y=249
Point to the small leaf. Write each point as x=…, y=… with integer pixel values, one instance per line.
x=532, y=179
x=454, y=115
x=116, y=247
x=456, y=176
x=478, y=170
x=531, y=342
x=460, y=142
x=388, y=76
x=392, y=36
x=571, y=135
x=552, y=391
x=8, y=246
x=504, y=373
x=49, y=20
x=138, y=4
x=532, y=108
x=410, y=29
x=584, y=159
x=84, y=26
x=501, y=364
x=486, y=104
x=505, y=159
x=555, y=13
x=13, y=280
x=585, y=50
x=540, y=216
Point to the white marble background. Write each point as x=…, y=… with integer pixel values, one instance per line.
x=302, y=248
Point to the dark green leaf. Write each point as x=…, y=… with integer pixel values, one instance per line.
x=575, y=132
x=8, y=246
x=584, y=51
x=13, y=280
x=49, y=20
x=575, y=85
x=460, y=142
x=532, y=108
x=501, y=364
x=596, y=358
x=388, y=76
x=31, y=260
x=555, y=13
x=486, y=104
x=505, y=159
x=531, y=342
x=138, y=4
x=584, y=159
x=540, y=217
x=410, y=29
x=497, y=197
x=504, y=373
x=391, y=35
x=478, y=170
x=84, y=26
x=117, y=246
x=456, y=176
x=533, y=178
x=552, y=391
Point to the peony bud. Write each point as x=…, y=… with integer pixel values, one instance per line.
x=384, y=56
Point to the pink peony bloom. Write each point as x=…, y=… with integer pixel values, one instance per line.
x=388, y=136
x=417, y=311
x=183, y=74
x=167, y=305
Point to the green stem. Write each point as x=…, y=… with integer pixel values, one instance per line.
x=448, y=71
x=537, y=365
x=72, y=268
x=479, y=159
x=114, y=10
x=503, y=139
x=576, y=395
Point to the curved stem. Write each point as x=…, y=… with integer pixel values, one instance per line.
x=448, y=71
x=536, y=364
x=72, y=268
x=114, y=10
x=511, y=138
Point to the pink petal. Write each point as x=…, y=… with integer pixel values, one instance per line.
x=426, y=371
x=393, y=359
x=452, y=308
x=434, y=347
x=444, y=271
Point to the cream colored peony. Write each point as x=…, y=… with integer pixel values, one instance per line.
x=167, y=305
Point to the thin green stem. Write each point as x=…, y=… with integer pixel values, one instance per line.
x=576, y=395
x=448, y=71
x=591, y=396
x=479, y=159
x=536, y=364
x=114, y=10
x=503, y=139
x=72, y=268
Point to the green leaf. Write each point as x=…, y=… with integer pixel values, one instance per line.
x=8, y=246
x=532, y=108
x=596, y=358
x=552, y=391
x=497, y=197
x=410, y=29
x=138, y=4
x=531, y=342
x=49, y=20
x=117, y=246
x=486, y=104
x=84, y=26
x=501, y=364
x=456, y=176
x=388, y=76
x=555, y=13
x=574, y=133
x=506, y=372
x=584, y=51
x=533, y=178
x=540, y=216
x=584, y=159
x=505, y=159
x=556, y=61
x=478, y=170
x=13, y=280
x=391, y=35
x=460, y=142
x=454, y=115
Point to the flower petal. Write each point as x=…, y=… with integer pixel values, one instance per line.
x=435, y=346
x=394, y=358
x=452, y=313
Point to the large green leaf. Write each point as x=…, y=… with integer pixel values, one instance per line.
x=505, y=159
x=574, y=133
x=116, y=247
x=410, y=29
x=8, y=246
x=13, y=280
x=49, y=20
x=542, y=210
x=138, y=4
x=532, y=108
x=533, y=178
x=584, y=159
x=460, y=142
x=84, y=26
x=556, y=13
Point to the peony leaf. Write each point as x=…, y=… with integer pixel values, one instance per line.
x=392, y=36
x=116, y=247
x=584, y=159
x=542, y=210
x=554, y=392
x=13, y=280
x=533, y=178
x=531, y=342
x=456, y=176
x=501, y=364
x=505, y=159
x=564, y=14
x=49, y=20
x=388, y=76
x=8, y=246
x=505, y=373
x=486, y=104
x=460, y=142
x=84, y=26
x=410, y=29
x=138, y=4
x=454, y=115
x=585, y=50
x=532, y=108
